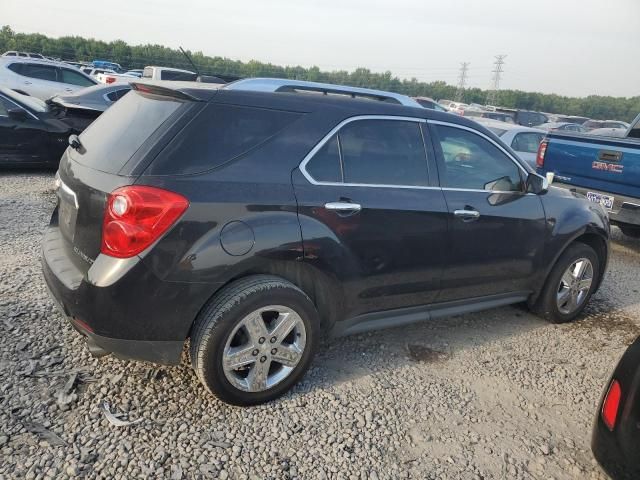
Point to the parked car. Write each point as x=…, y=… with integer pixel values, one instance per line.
x=41, y=78
x=571, y=119
x=593, y=124
x=523, y=140
x=605, y=170
x=134, y=73
x=30, y=136
x=615, y=441
x=456, y=107
x=608, y=132
x=526, y=118
x=255, y=217
x=13, y=53
x=430, y=103
x=165, y=73
x=80, y=108
x=107, y=65
x=499, y=116
x=95, y=71
x=562, y=127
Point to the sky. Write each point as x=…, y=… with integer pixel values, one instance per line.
x=568, y=47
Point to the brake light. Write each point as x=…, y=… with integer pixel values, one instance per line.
x=110, y=80
x=136, y=216
x=611, y=404
x=542, y=151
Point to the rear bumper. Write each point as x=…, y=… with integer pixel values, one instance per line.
x=626, y=210
x=128, y=312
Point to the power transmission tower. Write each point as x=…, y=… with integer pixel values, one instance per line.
x=462, y=81
x=492, y=96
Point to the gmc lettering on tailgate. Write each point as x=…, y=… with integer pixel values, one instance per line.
x=607, y=167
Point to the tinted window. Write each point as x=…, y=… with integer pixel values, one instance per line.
x=42, y=72
x=119, y=132
x=325, y=164
x=426, y=103
x=470, y=161
x=183, y=76
x=219, y=134
x=10, y=54
x=386, y=152
x=527, y=142
x=117, y=94
x=75, y=78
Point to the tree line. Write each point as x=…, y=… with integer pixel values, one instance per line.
x=74, y=48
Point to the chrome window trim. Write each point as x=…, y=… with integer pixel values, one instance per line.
x=469, y=129
x=335, y=130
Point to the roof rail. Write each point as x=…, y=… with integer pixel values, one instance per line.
x=300, y=86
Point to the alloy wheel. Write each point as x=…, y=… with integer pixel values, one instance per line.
x=574, y=286
x=264, y=348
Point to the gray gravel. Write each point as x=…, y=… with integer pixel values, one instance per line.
x=498, y=394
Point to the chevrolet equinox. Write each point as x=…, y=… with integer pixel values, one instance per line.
x=255, y=218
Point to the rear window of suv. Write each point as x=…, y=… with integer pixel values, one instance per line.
x=111, y=140
x=219, y=134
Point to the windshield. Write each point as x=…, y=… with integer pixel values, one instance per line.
x=28, y=101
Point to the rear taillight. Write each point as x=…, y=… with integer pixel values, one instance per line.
x=611, y=404
x=136, y=216
x=109, y=79
x=542, y=150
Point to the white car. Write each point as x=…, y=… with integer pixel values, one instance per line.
x=166, y=73
x=41, y=78
x=14, y=53
x=524, y=140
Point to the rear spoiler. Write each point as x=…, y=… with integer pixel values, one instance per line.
x=163, y=91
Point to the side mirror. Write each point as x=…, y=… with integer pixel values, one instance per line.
x=537, y=184
x=17, y=114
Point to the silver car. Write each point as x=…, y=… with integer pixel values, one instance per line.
x=524, y=140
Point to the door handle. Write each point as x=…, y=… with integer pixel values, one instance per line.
x=26, y=82
x=609, y=156
x=467, y=214
x=343, y=206
x=69, y=89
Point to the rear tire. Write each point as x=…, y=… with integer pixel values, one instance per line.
x=254, y=340
x=570, y=284
x=630, y=230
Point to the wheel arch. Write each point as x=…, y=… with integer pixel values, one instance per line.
x=322, y=290
x=589, y=236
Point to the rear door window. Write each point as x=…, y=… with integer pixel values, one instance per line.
x=383, y=152
x=35, y=70
x=372, y=152
x=111, y=140
x=219, y=134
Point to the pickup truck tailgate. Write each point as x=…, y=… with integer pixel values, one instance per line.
x=600, y=163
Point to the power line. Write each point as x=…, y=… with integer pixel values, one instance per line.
x=492, y=96
x=462, y=81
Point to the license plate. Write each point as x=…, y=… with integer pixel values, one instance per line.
x=605, y=200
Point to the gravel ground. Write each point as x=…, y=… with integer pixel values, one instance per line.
x=497, y=394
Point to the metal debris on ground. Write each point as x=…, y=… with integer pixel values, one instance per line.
x=113, y=418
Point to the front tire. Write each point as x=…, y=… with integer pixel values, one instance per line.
x=570, y=284
x=254, y=340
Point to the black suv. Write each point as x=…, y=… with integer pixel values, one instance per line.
x=254, y=218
